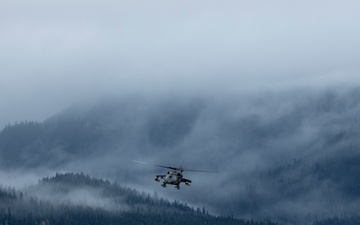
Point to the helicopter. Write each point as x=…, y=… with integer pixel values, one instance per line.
x=174, y=176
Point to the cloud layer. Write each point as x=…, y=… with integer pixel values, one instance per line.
x=60, y=53
x=286, y=155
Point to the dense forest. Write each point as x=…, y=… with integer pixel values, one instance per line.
x=23, y=208
x=290, y=159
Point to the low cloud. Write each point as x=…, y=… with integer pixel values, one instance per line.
x=59, y=54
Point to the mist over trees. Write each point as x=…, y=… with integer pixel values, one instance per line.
x=26, y=208
x=289, y=157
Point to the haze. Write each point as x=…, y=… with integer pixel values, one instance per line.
x=59, y=53
x=266, y=92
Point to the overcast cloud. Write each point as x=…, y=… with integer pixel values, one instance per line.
x=57, y=53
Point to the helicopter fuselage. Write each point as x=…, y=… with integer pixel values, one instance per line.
x=173, y=177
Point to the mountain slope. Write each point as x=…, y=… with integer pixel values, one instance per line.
x=32, y=208
x=283, y=156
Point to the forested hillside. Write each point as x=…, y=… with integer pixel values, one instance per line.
x=289, y=158
x=129, y=206
x=27, y=208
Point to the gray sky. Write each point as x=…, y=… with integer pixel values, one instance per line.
x=57, y=53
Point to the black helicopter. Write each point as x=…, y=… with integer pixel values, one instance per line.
x=174, y=176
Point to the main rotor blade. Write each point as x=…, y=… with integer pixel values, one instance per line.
x=176, y=168
x=203, y=171
x=168, y=167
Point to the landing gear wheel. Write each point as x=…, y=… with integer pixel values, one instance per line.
x=177, y=187
x=163, y=185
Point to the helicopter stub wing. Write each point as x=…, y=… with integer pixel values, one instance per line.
x=185, y=180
